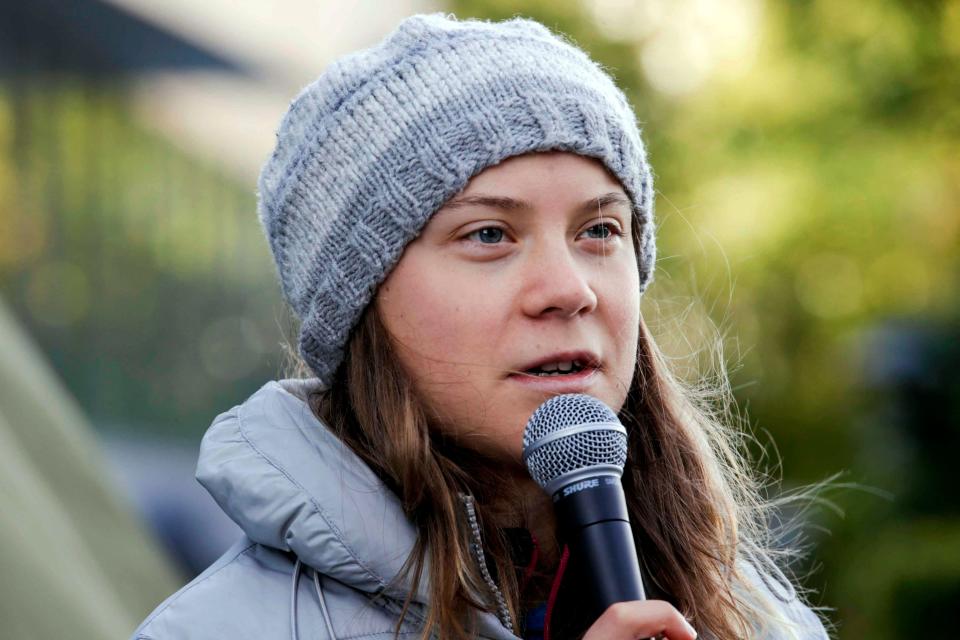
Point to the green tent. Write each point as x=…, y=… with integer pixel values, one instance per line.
x=75, y=561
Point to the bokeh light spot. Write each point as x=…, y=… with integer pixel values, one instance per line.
x=230, y=347
x=829, y=285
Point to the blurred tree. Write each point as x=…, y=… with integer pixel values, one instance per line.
x=141, y=270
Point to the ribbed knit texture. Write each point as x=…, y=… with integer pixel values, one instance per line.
x=371, y=149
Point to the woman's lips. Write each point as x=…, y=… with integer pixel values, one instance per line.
x=573, y=382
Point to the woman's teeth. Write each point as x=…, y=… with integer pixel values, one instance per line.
x=558, y=368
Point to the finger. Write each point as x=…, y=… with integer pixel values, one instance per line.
x=641, y=619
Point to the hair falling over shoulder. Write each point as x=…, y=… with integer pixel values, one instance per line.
x=695, y=502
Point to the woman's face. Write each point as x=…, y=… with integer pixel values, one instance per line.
x=523, y=286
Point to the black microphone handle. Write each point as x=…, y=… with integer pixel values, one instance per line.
x=593, y=521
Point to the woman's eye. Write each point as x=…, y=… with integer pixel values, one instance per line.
x=601, y=231
x=487, y=235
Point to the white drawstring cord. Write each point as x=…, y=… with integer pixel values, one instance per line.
x=294, y=629
x=323, y=605
x=295, y=635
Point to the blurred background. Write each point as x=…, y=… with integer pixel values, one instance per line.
x=808, y=178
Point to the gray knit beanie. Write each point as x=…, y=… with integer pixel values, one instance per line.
x=371, y=149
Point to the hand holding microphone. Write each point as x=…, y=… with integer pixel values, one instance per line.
x=641, y=619
x=575, y=448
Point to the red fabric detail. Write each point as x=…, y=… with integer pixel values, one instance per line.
x=554, y=590
x=532, y=565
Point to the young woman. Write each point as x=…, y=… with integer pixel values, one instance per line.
x=461, y=218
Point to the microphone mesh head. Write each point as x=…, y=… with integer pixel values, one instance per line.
x=605, y=444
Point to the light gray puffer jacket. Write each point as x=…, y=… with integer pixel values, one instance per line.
x=325, y=539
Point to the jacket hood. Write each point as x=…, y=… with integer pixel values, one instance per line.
x=290, y=484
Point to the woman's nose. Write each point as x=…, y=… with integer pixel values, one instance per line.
x=556, y=284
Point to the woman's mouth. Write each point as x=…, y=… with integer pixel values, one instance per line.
x=560, y=368
x=570, y=372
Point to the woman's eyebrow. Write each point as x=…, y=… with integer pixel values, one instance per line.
x=512, y=204
x=494, y=202
x=608, y=198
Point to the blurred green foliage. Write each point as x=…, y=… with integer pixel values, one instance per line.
x=808, y=179
x=141, y=270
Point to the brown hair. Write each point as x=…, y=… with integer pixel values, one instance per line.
x=695, y=505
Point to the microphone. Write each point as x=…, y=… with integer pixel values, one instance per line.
x=575, y=448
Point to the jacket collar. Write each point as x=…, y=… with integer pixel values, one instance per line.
x=290, y=484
